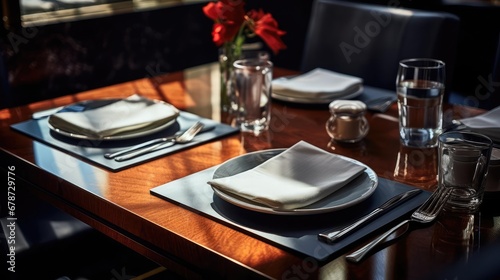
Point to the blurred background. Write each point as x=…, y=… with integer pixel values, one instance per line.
x=51, y=48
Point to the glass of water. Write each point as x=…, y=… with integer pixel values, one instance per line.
x=420, y=87
x=252, y=79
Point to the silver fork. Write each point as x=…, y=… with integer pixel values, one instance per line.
x=426, y=213
x=185, y=137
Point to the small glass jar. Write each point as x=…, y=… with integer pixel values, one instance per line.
x=347, y=122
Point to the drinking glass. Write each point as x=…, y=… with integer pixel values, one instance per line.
x=420, y=87
x=253, y=79
x=463, y=159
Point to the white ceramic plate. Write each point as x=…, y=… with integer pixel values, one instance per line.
x=309, y=100
x=353, y=193
x=93, y=104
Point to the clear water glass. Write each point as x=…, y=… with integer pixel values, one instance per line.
x=420, y=87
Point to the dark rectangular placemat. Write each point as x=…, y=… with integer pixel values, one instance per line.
x=297, y=233
x=93, y=150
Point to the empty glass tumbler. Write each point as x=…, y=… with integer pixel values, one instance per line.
x=252, y=80
x=463, y=159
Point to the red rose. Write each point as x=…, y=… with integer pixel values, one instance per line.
x=266, y=27
x=230, y=21
x=228, y=16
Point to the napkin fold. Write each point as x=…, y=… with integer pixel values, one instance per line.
x=299, y=176
x=317, y=83
x=135, y=113
x=487, y=123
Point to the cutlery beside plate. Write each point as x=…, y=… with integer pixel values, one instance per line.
x=335, y=235
x=182, y=138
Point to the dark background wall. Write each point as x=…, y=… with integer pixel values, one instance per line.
x=64, y=58
x=68, y=57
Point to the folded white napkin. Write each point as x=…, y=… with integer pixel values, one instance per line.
x=487, y=124
x=299, y=176
x=135, y=113
x=319, y=83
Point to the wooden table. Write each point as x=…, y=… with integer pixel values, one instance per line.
x=120, y=205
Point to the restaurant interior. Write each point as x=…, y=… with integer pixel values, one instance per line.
x=55, y=57
x=51, y=49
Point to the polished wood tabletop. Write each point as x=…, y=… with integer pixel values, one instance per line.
x=120, y=205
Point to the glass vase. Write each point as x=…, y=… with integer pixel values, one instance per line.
x=227, y=57
x=228, y=54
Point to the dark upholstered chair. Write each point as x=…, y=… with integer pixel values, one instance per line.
x=368, y=40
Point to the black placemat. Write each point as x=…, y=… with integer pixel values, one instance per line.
x=93, y=150
x=297, y=233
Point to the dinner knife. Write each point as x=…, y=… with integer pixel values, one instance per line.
x=334, y=236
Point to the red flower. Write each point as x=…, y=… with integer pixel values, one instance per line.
x=228, y=16
x=266, y=27
x=231, y=25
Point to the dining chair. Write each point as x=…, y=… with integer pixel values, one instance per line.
x=368, y=40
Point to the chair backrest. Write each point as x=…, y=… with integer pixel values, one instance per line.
x=368, y=41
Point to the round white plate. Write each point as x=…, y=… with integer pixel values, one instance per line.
x=316, y=100
x=353, y=193
x=93, y=104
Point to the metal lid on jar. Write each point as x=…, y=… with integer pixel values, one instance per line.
x=347, y=107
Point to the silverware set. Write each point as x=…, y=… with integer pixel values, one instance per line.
x=156, y=144
x=335, y=235
x=425, y=214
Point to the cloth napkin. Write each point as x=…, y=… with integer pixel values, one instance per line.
x=135, y=113
x=299, y=176
x=487, y=123
x=317, y=83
